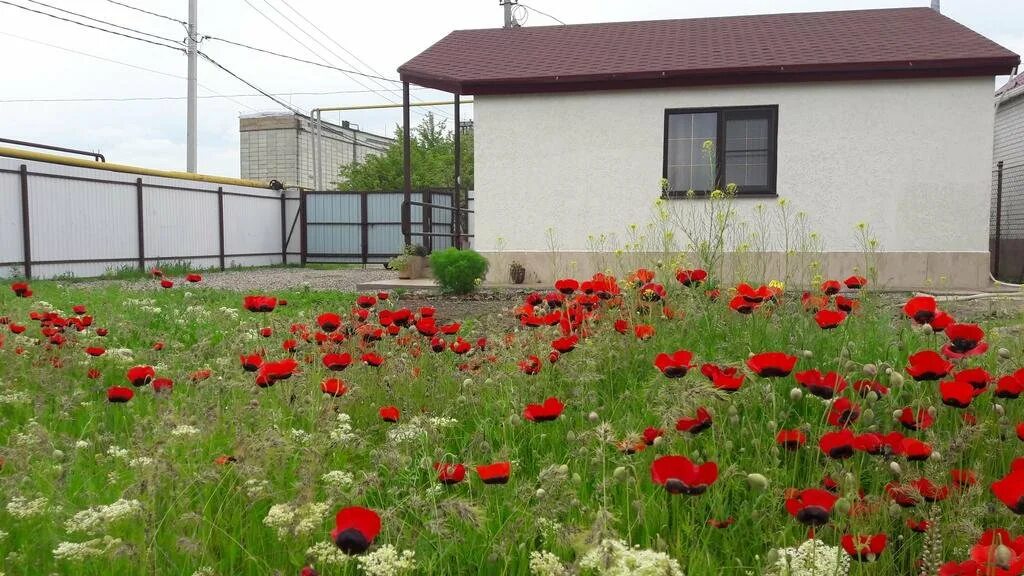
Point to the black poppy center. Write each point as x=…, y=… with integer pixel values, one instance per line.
x=351, y=541
x=675, y=371
x=813, y=515
x=772, y=372
x=962, y=345
x=924, y=316
x=841, y=452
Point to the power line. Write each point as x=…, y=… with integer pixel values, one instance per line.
x=59, y=9
x=158, y=98
x=130, y=7
x=279, y=55
x=284, y=105
x=543, y=13
x=91, y=26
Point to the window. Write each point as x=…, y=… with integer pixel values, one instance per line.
x=709, y=148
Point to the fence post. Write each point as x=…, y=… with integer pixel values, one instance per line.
x=364, y=228
x=999, y=219
x=427, y=220
x=456, y=196
x=141, y=223
x=406, y=168
x=220, y=223
x=26, y=233
x=302, y=225
x=284, y=230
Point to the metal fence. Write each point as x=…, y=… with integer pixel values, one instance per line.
x=1006, y=233
x=59, y=220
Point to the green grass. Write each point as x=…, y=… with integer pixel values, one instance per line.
x=570, y=487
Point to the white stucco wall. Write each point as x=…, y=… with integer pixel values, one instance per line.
x=910, y=157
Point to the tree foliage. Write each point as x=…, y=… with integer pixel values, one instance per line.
x=433, y=161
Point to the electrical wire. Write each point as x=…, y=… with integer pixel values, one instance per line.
x=130, y=7
x=281, y=103
x=542, y=13
x=179, y=49
x=59, y=9
x=279, y=55
x=158, y=98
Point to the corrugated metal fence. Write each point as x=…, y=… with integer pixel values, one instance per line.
x=68, y=220
x=1006, y=239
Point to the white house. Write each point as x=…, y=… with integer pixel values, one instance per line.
x=881, y=117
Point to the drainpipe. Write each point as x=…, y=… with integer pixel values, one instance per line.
x=935, y=6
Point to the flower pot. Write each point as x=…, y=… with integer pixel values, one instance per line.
x=415, y=267
x=517, y=274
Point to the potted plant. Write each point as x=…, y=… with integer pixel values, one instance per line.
x=516, y=272
x=410, y=262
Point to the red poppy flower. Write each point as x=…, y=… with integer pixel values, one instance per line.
x=914, y=450
x=567, y=285
x=640, y=277
x=140, y=375
x=337, y=361
x=496, y=473
x=838, y=445
x=224, y=460
x=831, y=287
x=715, y=523
x=713, y=294
x=101, y=331
x=928, y=365
x=856, y=282
x=812, y=303
x=193, y=278
x=389, y=414
x=752, y=295
x=200, y=375
x=697, y=424
x=333, y=387
x=956, y=393
x=742, y=305
x=845, y=304
x=551, y=409
x=643, y=331
x=651, y=434
x=354, y=529
x=681, y=476
x=905, y=495
x=78, y=309
x=328, y=321
x=266, y=332
x=372, y=359
x=843, y=413
x=450, y=473
x=366, y=301
x=1010, y=490
x=1009, y=387
x=251, y=362
x=963, y=478
x=920, y=309
x=451, y=328
x=460, y=346
x=652, y=292
x=941, y=321
x=869, y=443
x=621, y=326
x=21, y=289
x=791, y=439
x=674, y=365
x=862, y=387
x=95, y=351
x=271, y=372
x=771, y=364
x=929, y=491
x=726, y=382
x=864, y=548
x=964, y=340
x=812, y=506
x=162, y=384
x=821, y=385
x=93, y=373
x=919, y=526
x=966, y=568
x=530, y=365
x=997, y=553
x=118, y=394
x=566, y=344
x=260, y=303
x=289, y=345
x=920, y=420
x=166, y=283
x=16, y=328
x=691, y=277
x=978, y=378
x=829, y=319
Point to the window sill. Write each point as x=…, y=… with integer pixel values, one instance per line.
x=706, y=195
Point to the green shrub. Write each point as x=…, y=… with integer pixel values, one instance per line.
x=458, y=271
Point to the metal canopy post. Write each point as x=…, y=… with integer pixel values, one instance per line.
x=457, y=195
x=406, y=168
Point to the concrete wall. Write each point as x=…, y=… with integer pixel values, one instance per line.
x=280, y=147
x=912, y=158
x=80, y=213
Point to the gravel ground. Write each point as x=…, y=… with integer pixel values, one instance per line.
x=270, y=279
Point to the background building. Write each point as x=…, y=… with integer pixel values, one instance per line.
x=279, y=146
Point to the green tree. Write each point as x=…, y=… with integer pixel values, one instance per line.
x=433, y=161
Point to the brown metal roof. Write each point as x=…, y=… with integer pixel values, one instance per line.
x=891, y=43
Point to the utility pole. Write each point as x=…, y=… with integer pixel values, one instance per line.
x=190, y=161
x=510, y=21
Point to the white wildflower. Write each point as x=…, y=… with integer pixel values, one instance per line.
x=342, y=431
x=616, y=558
x=120, y=353
x=296, y=520
x=327, y=554
x=812, y=558
x=545, y=563
x=405, y=433
x=23, y=508
x=78, y=551
x=442, y=422
x=301, y=436
x=117, y=452
x=141, y=462
x=388, y=561
x=12, y=397
x=230, y=312
x=82, y=444
x=98, y=519
x=184, y=430
x=255, y=488
x=337, y=479
x=3, y=535
x=205, y=571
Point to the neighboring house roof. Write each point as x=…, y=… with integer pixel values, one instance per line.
x=1011, y=90
x=892, y=43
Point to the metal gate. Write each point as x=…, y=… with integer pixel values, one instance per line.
x=1006, y=240
x=366, y=227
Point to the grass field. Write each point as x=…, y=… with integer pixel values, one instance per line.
x=218, y=475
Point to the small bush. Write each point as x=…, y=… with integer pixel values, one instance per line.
x=458, y=271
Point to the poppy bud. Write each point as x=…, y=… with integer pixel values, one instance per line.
x=772, y=557
x=619, y=473
x=540, y=493
x=896, y=414
x=734, y=419
x=888, y=371
x=936, y=455
x=796, y=394
x=570, y=436
x=999, y=409
x=1004, y=353
x=577, y=478
x=931, y=411
x=732, y=411
x=894, y=467
x=872, y=397
x=844, y=352
x=592, y=416
x=775, y=451
x=757, y=482
x=563, y=469
x=842, y=506
x=927, y=329
x=895, y=379
x=807, y=354
x=772, y=424
x=657, y=440
x=870, y=369
x=515, y=419
x=867, y=415
x=1003, y=556
x=467, y=382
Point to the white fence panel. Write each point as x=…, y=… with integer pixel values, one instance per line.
x=11, y=249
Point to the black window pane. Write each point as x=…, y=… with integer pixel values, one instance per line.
x=748, y=148
x=687, y=160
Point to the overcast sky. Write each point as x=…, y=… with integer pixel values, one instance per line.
x=382, y=34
